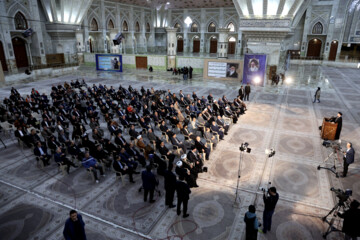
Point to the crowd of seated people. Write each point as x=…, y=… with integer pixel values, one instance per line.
x=67, y=125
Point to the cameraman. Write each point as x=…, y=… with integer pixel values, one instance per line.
x=351, y=220
x=270, y=200
x=349, y=157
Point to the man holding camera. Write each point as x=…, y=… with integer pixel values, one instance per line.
x=349, y=157
x=270, y=200
x=351, y=218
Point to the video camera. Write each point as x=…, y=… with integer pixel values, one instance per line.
x=341, y=194
x=245, y=147
x=334, y=145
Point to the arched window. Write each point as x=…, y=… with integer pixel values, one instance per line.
x=231, y=27
x=194, y=27
x=137, y=27
x=20, y=21
x=232, y=39
x=148, y=29
x=125, y=27
x=178, y=27
x=318, y=28
x=110, y=24
x=212, y=27
x=94, y=25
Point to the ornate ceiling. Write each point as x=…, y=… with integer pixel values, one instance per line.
x=65, y=11
x=268, y=8
x=179, y=4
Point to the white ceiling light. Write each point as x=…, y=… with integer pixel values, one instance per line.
x=188, y=20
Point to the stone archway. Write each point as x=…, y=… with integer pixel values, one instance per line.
x=21, y=58
x=213, y=45
x=333, y=50
x=314, y=48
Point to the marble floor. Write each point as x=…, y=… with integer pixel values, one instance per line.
x=35, y=202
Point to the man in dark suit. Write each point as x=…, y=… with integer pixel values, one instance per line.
x=247, y=92
x=176, y=142
x=123, y=168
x=23, y=136
x=183, y=194
x=220, y=122
x=149, y=183
x=338, y=120
x=61, y=159
x=74, y=227
x=163, y=150
x=170, y=186
x=41, y=152
x=202, y=148
x=349, y=157
x=241, y=92
x=217, y=129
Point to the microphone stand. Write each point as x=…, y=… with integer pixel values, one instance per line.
x=236, y=203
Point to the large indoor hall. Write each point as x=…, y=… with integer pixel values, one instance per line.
x=179, y=120
x=36, y=200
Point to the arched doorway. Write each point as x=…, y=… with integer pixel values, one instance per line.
x=196, y=45
x=180, y=44
x=333, y=50
x=314, y=48
x=231, y=45
x=2, y=58
x=213, y=45
x=21, y=58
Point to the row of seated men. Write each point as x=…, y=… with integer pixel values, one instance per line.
x=146, y=111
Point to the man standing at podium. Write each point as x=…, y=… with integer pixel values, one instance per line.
x=338, y=120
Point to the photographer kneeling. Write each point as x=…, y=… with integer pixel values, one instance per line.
x=351, y=221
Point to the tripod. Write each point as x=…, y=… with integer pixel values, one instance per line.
x=238, y=179
x=333, y=155
x=339, y=206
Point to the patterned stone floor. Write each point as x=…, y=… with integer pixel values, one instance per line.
x=35, y=203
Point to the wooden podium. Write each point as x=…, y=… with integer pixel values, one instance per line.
x=328, y=129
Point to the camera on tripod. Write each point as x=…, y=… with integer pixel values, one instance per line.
x=341, y=194
x=333, y=145
x=245, y=147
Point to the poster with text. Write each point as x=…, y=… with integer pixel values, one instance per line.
x=223, y=69
x=109, y=62
x=254, y=69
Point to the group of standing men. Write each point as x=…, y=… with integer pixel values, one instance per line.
x=244, y=93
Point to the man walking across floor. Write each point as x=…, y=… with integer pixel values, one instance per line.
x=270, y=200
x=317, y=95
x=349, y=157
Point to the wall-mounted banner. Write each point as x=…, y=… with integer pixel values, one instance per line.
x=109, y=62
x=254, y=69
x=227, y=69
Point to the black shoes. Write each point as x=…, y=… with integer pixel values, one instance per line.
x=152, y=201
x=172, y=206
x=185, y=215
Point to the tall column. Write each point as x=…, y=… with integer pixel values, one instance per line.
x=80, y=45
x=306, y=31
x=239, y=43
x=37, y=49
x=102, y=37
x=5, y=37
x=129, y=41
x=222, y=48
x=185, y=28
x=86, y=33
x=203, y=29
x=141, y=45
x=171, y=46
